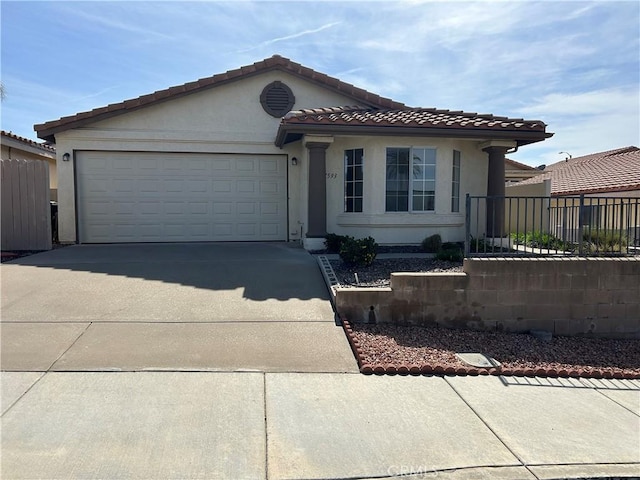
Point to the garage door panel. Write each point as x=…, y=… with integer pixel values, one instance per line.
x=155, y=197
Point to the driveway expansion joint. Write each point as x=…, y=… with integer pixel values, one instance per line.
x=70, y=347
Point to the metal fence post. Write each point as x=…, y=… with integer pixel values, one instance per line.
x=581, y=226
x=467, y=226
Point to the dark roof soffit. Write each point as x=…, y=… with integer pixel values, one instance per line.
x=288, y=134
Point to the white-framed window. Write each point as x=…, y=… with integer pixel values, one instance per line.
x=353, y=179
x=455, y=182
x=410, y=179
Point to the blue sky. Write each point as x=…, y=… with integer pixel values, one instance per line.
x=575, y=65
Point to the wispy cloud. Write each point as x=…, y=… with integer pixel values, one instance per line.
x=625, y=99
x=117, y=24
x=292, y=36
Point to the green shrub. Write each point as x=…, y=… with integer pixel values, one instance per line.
x=451, y=254
x=605, y=241
x=432, y=244
x=361, y=252
x=333, y=242
x=478, y=245
x=541, y=240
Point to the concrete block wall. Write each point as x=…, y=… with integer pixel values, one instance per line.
x=566, y=296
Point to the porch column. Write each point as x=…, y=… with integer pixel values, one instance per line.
x=317, y=213
x=495, y=188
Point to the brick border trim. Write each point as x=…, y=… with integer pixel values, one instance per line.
x=432, y=369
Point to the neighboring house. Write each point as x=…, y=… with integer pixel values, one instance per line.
x=275, y=151
x=516, y=172
x=614, y=173
x=608, y=184
x=20, y=148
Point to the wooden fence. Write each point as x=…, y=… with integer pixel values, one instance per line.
x=25, y=209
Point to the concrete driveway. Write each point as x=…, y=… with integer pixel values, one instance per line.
x=230, y=307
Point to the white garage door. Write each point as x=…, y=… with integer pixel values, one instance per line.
x=181, y=197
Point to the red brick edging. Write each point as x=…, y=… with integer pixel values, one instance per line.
x=430, y=369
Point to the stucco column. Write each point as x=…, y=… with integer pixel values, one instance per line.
x=317, y=205
x=495, y=188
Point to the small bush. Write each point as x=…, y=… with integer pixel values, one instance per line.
x=605, y=241
x=432, y=244
x=361, y=252
x=478, y=245
x=541, y=240
x=333, y=242
x=451, y=254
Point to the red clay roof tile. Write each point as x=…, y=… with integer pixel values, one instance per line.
x=610, y=171
x=26, y=141
x=408, y=116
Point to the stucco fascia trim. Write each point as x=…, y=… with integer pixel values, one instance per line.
x=511, y=137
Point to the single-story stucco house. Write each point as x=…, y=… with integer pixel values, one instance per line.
x=275, y=151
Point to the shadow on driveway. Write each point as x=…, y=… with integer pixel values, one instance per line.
x=262, y=270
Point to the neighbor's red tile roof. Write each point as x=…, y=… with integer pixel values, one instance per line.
x=518, y=165
x=418, y=117
x=26, y=141
x=610, y=171
x=47, y=130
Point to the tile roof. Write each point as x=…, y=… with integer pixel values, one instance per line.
x=47, y=130
x=41, y=146
x=417, y=117
x=359, y=120
x=611, y=171
x=517, y=165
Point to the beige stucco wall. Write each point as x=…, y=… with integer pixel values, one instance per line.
x=224, y=119
x=403, y=227
x=527, y=214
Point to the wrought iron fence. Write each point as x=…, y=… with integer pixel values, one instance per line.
x=559, y=226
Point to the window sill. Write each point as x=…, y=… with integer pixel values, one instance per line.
x=400, y=219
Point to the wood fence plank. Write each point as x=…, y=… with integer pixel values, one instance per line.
x=26, y=217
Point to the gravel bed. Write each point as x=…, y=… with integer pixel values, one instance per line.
x=392, y=344
x=378, y=274
x=385, y=344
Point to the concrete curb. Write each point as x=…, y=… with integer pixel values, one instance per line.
x=434, y=369
x=330, y=278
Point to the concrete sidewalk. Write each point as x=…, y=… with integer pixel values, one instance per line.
x=246, y=425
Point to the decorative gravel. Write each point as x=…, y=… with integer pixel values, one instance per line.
x=379, y=273
x=385, y=344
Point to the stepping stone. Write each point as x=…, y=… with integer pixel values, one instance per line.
x=478, y=360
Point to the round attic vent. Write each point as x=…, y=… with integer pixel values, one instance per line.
x=277, y=99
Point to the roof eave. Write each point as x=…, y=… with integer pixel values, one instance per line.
x=290, y=133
